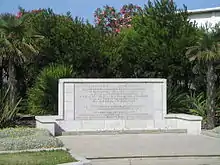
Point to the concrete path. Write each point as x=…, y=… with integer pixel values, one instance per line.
x=102, y=146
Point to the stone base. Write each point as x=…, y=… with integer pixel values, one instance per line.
x=56, y=125
x=153, y=131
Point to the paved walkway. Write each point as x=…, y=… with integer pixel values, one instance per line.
x=132, y=147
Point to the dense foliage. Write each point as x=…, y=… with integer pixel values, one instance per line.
x=43, y=96
x=109, y=20
x=157, y=40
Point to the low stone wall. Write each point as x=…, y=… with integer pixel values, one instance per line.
x=193, y=124
x=115, y=105
x=171, y=122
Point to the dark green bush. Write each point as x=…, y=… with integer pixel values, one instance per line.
x=177, y=101
x=43, y=96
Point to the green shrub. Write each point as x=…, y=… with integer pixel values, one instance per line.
x=20, y=132
x=29, y=142
x=197, y=106
x=43, y=96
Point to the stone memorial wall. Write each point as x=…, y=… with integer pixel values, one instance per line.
x=87, y=105
x=109, y=100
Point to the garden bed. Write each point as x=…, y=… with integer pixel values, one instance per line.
x=26, y=139
x=36, y=158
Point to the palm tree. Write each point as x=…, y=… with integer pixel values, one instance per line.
x=15, y=44
x=207, y=51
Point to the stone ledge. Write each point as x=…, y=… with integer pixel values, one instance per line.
x=107, y=80
x=47, y=119
x=184, y=117
x=153, y=131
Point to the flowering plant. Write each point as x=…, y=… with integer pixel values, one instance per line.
x=111, y=20
x=22, y=12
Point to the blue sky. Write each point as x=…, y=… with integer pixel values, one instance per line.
x=85, y=8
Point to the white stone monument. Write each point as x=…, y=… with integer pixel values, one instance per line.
x=102, y=105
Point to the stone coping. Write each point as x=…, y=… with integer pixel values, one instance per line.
x=48, y=119
x=108, y=80
x=117, y=132
x=184, y=117
x=81, y=160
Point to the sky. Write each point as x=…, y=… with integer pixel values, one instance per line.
x=86, y=8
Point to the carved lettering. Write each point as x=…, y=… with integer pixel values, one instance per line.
x=113, y=101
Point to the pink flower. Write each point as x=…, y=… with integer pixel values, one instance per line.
x=98, y=20
x=19, y=15
x=122, y=11
x=117, y=30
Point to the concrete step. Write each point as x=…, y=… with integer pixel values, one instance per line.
x=155, y=131
x=160, y=161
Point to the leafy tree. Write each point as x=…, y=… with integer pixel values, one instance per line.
x=16, y=43
x=156, y=43
x=70, y=41
x=207, y=51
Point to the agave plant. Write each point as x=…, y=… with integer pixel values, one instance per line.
x=198, y=106
x=7, y=111
x=176, y=100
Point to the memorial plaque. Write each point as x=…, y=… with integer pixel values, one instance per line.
x=114, y=101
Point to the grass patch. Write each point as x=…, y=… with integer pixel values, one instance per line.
x=36, y=158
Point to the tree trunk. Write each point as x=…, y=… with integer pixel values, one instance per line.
x=1, y=72
x=210, y=96
x=12, y=82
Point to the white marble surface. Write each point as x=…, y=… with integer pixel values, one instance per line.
x=112, y=99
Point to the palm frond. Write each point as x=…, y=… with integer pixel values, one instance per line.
x=37, y=37
x=208, y=46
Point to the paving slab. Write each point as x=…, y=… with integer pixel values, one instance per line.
x=144, y=145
